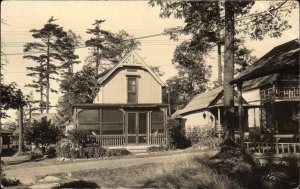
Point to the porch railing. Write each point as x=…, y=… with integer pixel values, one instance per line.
x=280, y=93
x=157, y=139
x=108, y=140
x=274, y=146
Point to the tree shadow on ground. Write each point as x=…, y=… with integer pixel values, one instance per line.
x=78, y=184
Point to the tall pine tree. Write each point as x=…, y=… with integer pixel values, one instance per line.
x=50, y=46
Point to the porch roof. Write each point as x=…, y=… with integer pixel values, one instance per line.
x=281, y=57
x=207, y=101
x=260, y=82
x=98, y=105
x=201, y=101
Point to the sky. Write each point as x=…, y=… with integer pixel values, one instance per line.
x=136, y=17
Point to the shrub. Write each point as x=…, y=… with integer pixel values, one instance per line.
x=99, y=152
x=63, y=150
x=79, y=137
x=118, y=152
x=66, y=150
x=176, y=135
x=43, y=132
x=203, y=137
x=36, y=154
x=50, y=151
x=160, y=148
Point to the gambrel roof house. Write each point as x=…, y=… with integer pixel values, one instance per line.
x=128, y=108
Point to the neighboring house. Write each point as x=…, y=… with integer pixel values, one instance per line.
x=6, y=139
x=205, y=109
x=272, y=82
x=128, y=108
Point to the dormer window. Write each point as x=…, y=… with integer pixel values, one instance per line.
x=132, y=89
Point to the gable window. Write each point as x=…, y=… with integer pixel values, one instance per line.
x=131, y=89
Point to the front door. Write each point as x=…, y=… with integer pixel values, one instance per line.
x=137, y=127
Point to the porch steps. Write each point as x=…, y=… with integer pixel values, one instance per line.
x=138, y=150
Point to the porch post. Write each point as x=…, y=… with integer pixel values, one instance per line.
x=240, y=114
x=219, y=122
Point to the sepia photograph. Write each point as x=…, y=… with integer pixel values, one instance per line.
x=150, y=94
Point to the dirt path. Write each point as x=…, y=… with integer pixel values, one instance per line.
x=28, y=175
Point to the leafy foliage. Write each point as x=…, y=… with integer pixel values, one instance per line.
x=205, y=23
x=78, y=137
x=193, y=76
x=11, y=98
x=205, y=136
x=80, y=88
x=176, y=135
x=67, y=150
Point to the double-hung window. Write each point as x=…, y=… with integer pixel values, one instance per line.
x=132, y=89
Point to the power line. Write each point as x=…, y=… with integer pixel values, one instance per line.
x=142, y=37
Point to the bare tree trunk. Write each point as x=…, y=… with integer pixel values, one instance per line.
x=219, y=65
x=41, y=92
x=241, y=115
x=47, y=76
x=21, y=127
x=0, y=111
x=229, y=112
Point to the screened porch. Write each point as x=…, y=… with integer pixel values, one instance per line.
x=121, y=126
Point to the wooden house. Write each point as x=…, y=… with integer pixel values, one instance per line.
x=272, y=82
x=6, y=139
x=128, y=108
x=206, y=109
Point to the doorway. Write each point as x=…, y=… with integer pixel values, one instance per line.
x=137, y=127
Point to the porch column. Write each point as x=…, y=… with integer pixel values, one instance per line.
x=219, y=123
x=240, y=114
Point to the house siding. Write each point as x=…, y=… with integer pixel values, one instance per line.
x=114, y=90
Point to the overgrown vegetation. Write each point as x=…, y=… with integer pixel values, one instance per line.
x=203, y=137
x=176, y=135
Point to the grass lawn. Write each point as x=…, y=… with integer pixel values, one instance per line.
x=23, y=161
x=188, y=173
x=196, y=171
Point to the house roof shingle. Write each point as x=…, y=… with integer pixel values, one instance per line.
x=282, y=56
x=201, y=101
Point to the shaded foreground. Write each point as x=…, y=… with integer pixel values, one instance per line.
x=217, y=172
